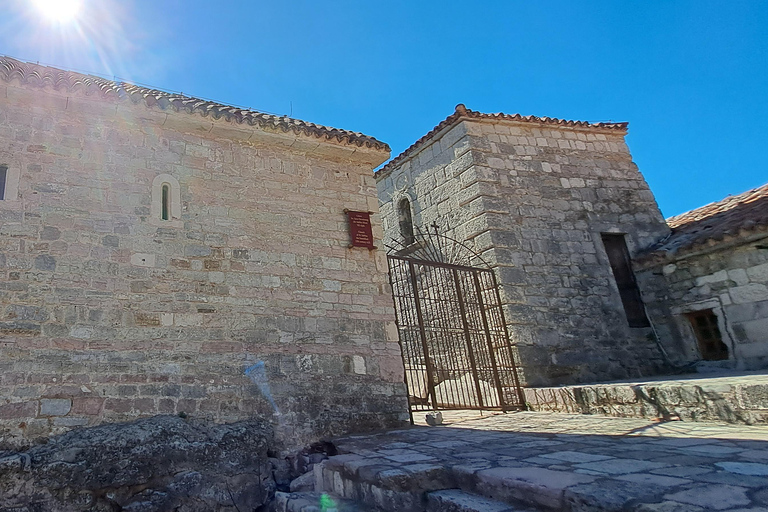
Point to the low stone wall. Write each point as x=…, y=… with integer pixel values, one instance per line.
x=742, y=399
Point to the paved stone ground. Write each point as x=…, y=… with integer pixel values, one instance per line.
x=551, y=461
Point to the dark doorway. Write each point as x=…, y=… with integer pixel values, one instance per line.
x=621, y=265
x=704, y=324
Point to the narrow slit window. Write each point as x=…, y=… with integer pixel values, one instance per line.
x=621, y=266
x=166, y=202
x=406, y=221
x=711, y=346
x=3, y=179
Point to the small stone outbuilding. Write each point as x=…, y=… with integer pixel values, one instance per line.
x=557, y=208
x=706, y=284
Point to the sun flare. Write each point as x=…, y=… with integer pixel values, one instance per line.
x=59, y=11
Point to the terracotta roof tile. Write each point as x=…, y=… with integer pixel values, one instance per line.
x=35, y=75
x=463, y=112
x=734, y=216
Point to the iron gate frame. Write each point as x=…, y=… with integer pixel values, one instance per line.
x=495, y=310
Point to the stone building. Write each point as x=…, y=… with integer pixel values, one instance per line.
x=558, y=209
x=163, y=254
x=706, y=285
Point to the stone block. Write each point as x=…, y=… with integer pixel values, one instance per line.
x=45, y=262
x=143, y=259
x=50, y=233
x=18, y=410
x=455, y=500
x=70, y=422
x=753, y=292
x=55, y=406
x=146, y=319
x=532, y=485
x=620, y=466
x=758, y=273
x=712, y=497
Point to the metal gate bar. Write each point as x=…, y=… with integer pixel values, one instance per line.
x=456, y=349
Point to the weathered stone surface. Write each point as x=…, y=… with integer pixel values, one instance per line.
x=730, y=280
x=305, y=482
x=712, y=497
x=745, y=468
x=454, y=500
x=536, y=486
x=434, y=418
x=157, y=464
x=130, y=315
x=55, y=406
x=535, y=460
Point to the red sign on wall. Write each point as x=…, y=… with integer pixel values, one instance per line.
x=360, y=232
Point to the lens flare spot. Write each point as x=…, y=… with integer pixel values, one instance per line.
x=326, y=503
x=58, y=11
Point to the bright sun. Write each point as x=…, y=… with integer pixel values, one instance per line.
x=60, y=11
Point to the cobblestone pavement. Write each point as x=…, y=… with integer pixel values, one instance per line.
x=551, y=461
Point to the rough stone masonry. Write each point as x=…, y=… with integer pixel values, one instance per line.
x=166, y=255
x=533, y=197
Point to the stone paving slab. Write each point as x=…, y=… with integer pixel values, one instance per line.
x=551, y=461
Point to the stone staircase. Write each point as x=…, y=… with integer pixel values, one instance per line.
x=449, y=500
x=350, y=483
x=540, y=461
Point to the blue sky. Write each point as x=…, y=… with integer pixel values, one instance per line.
x=691, y=77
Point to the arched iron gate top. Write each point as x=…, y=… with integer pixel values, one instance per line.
x=432, y=246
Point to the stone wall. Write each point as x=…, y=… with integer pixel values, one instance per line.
x=533, y=197
x=246, y=301
x=731, y=279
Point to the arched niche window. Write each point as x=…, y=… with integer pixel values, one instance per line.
x=406, y=221
x=166, y=201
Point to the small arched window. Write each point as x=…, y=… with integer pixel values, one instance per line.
x=166, y=202
x=406, y=221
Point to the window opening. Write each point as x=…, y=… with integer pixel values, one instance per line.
x=621, y=265
x=406, y=221
x=3, y=177
x=708, y=335
x=166, y=199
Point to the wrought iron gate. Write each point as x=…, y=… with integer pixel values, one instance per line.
x=454, y=340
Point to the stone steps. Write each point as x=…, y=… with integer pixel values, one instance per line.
x=432, y=488
x=315, y=502
x=455, y=500
x=551, y=462
x=449, y=500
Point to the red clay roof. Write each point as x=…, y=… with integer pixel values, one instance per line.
x=35, y=75
x=463, y=112
x=739, y=215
